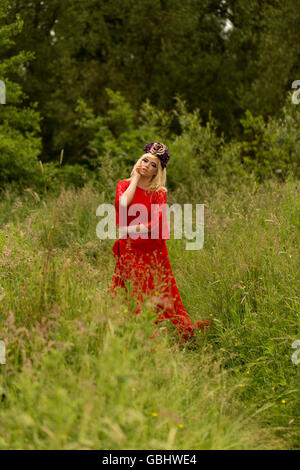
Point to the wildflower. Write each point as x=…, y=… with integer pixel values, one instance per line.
x=181, y=426
x=133, y=389
x=117, y=311
x=125, y=311
x=248, y=371
x=236, y=344
x=154, y=414
x=211, y=315
x=283, y=401
x=241, y=385
x=273, y=388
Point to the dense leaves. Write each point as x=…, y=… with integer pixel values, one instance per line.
x=101, y=78
x=20, y=144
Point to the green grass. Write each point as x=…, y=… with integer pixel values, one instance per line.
x=81, y=371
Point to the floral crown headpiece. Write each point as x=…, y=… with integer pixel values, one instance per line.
x=159, y=150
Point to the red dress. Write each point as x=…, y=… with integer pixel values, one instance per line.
x=143, y=260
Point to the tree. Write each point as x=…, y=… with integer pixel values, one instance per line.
x=146, y=49
x=20, y=143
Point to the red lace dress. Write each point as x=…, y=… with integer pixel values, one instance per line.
x=142, y=259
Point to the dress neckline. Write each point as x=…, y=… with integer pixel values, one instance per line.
x=145, y=189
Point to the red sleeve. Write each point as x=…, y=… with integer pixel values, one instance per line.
x=121, y=188
x=158, y=223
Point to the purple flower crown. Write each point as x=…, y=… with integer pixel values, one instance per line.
x=159, y=150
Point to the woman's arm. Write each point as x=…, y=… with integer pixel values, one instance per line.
x=158, y=223
x=127, y=196
x=124, y=230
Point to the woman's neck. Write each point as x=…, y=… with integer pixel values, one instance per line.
x=144, y=182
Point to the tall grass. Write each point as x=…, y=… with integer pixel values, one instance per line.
x=81, y=370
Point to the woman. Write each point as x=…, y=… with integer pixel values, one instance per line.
x=141, y=254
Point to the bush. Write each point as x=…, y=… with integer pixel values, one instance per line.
x=272, y=148
x=20, y=143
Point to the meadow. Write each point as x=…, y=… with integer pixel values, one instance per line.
x=81, y=370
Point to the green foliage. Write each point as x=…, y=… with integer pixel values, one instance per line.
x=55, y=177
x=105, y=93
x=266, y=42
x=109, y=77
x=119, y=135
x=20, y=144
x=197, y=152
x=194, y=152
x=81, y=370
x=272, y=148
x=221, y=57
x=83, y=48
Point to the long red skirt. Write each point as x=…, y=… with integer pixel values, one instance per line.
x=146, y=265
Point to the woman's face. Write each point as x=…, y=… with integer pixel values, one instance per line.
x=149, y=165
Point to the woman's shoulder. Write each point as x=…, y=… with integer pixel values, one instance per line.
x=161, y=194
x=123, y=183
x=162, y=190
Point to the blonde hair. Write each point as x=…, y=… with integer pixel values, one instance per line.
x=159, y=180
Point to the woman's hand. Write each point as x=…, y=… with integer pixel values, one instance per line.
x=139, y=228
x=136, y=172
x=127, y=196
